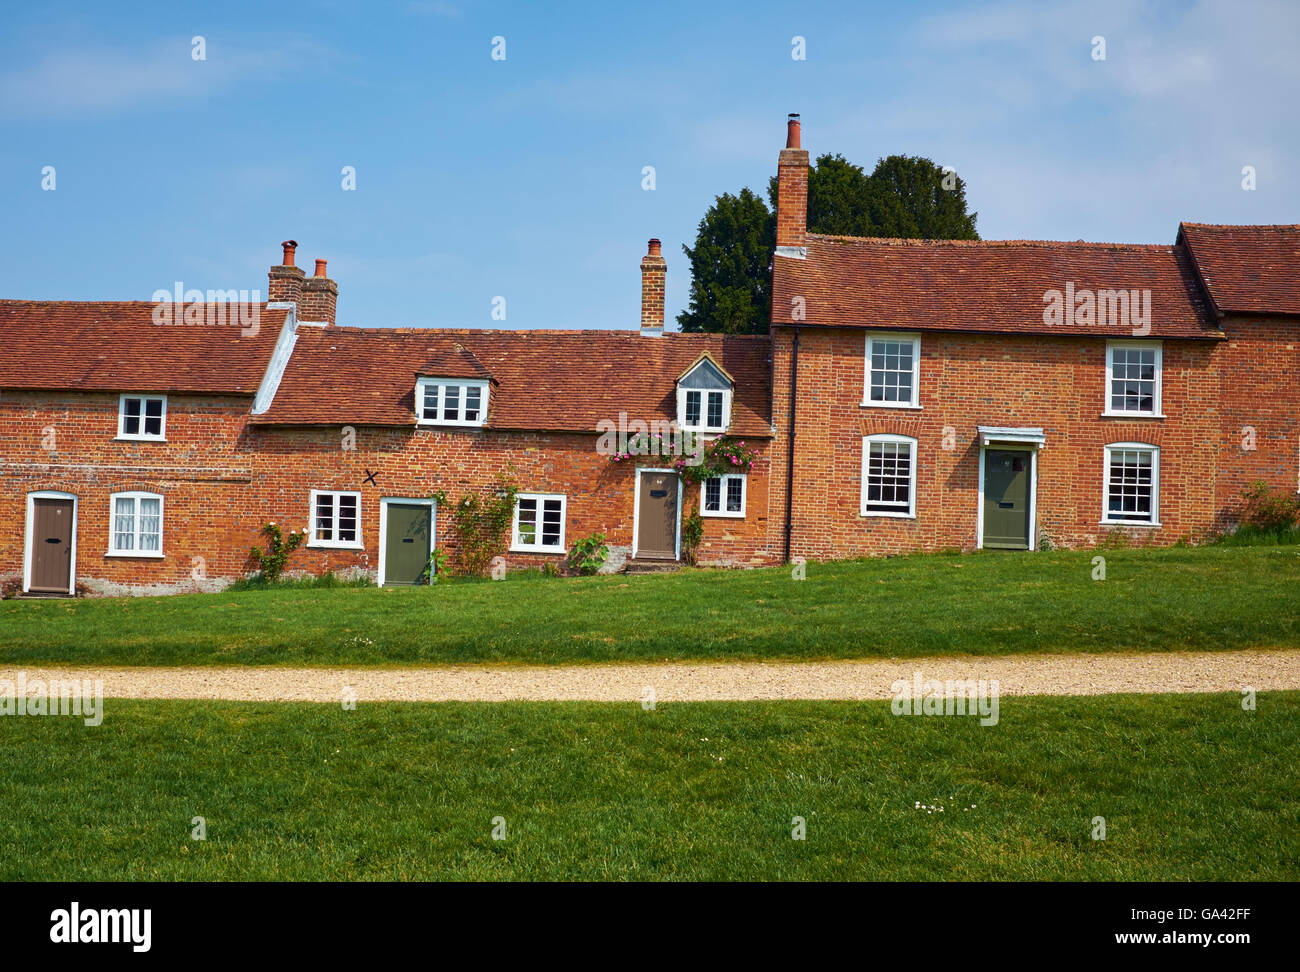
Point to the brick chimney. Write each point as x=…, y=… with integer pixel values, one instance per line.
x=284, y=281
x=654, y=268
x=792, y=195
x=320, y=297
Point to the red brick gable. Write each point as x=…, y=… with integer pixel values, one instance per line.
x=980, y=286
x=1247, y=269
x=115, y=346
x=546, y=380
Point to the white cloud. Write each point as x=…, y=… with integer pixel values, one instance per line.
x=98, y=80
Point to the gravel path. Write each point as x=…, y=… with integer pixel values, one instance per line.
x=1226, y=671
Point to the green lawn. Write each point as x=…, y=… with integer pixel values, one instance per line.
x=1151, y=600
x=1191, y=787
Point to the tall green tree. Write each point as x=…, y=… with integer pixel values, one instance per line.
x=905, y=197
x=731, y=290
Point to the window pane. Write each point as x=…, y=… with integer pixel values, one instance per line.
x=551, y=521
x=472, y=399
x=1130, y=487
x=430, y=409
x=131, y=416
x=891, y=371
x=150, y=524
x=451, y=403
x=715, y=410
x=347, y=518
x=692, y=408
x=124, y=523
x=325, y=516
x=527, y=521
x=712, y=495
x=889, y=476
x=735, y=493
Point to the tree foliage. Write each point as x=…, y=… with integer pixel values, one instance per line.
x=905, y=197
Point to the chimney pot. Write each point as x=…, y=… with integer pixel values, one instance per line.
x=655, y=248
x=792, y=131
x=289, y=247
x=320, y=268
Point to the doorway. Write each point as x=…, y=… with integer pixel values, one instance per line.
x=656, y=532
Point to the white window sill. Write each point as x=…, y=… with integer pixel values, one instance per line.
x=328, y=545
x=537, y=550
x=705, y=433
x=905, y=405
x=724, y=516
x=892, y=516
x=1130, y=523
x=449, y=424
x=139, y=438
x=1132, y=415
x=147, y=554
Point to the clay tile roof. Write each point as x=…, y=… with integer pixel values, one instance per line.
x=564, y=381
x=116, y=346
x=988, y=286
x=1247, y=269
x=454, y=362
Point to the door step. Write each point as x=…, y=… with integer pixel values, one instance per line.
x=647, y=566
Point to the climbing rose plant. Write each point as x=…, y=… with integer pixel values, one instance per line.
x=718, y=457
x=278, y=547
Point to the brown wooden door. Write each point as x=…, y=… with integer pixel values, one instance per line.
x=656, y=534
x=51, y=546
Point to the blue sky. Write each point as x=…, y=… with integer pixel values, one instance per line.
x=522, y=178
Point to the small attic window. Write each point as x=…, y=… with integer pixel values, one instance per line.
x=451, y=401
x=704, y=398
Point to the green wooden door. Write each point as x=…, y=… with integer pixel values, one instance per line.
x=406, y=543
x=1006, y=499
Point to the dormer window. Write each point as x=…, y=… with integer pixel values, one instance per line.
x=451, y=401
x=142, y=418
x=704, y=398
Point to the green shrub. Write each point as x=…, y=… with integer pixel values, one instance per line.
x=1269, y=510
x=587, y=555
x=270, y=564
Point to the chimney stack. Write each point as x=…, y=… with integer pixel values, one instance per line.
x=792, y=195
x=654, y=269
x=320, y=297
x=284, y=281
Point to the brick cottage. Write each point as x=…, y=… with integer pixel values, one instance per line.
x=911, y=395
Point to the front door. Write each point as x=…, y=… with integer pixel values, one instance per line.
x=406, y=543
x=656, y=528
x=52, y=526
x=1006, y=498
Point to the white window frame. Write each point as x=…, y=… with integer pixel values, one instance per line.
x=518, y=546
x=135, y=495
x=867, y=440
x=314, y=541
x=1155, y=483
x=1157, y=407
x=141, y=436
x=439, y=387
x=703, y=427
x=896, y=337
x=722, y=511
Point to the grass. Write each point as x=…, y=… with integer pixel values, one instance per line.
x=985, y=604
x=1192, y=788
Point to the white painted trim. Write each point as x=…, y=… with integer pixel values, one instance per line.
x=313, y=543
x=1157, y=405
x=31, y=526
x=383, y=526
x=636, y=511
x=722, y=496
x=516, y=546
x=792, y=252
x=899, y=337
x=1155, y=484
x=996, y=435
x=279, y=362
x=911, y=492
x=423, y=384
x=124, y=436
x=137, y=495
x=1010, y=446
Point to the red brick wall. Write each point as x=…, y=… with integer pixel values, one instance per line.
x=1210, y=390
x=222, y=481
